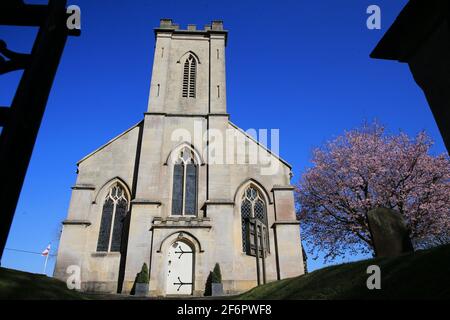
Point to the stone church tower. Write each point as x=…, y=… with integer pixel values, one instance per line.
x=159, y=194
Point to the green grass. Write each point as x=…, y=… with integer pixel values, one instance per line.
x=30, y=286
x=421, y=275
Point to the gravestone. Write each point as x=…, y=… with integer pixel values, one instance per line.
x=390, y=234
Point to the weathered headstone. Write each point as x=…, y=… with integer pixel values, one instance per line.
x=390, y=234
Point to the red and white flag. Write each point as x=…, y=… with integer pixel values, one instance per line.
x=46, y=251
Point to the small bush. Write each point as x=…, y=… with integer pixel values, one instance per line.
x=217, y=274
x=208, y=285
x=143, y=277
x=214, y=276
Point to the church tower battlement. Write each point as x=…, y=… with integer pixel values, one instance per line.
x=188, y=75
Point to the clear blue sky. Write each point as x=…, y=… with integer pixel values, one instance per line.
x=300, y=66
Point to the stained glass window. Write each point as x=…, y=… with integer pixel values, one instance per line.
x=105, y=225
x=177, y=194
x=252, y=206
x=185, y=180
x=191, y=188
x=113, y=215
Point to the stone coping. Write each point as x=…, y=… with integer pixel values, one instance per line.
x=200, y=115
x=77, y=222
x=83, y=187
x=285, y=222
x=105, y=254
x=146, y=201
x=219, y=202
x=181, y=222
x=285, y=187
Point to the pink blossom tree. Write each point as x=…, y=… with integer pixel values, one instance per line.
x=364, y=169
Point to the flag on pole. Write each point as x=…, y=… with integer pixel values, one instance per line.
x=46, y=252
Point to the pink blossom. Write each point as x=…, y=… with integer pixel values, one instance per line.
x=366, y=168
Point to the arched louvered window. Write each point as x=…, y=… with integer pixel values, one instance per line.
x=189, y=77
x=253, y=206
x=184, y=191
x=113, y=215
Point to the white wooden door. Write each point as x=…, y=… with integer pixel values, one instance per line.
x=180, y=258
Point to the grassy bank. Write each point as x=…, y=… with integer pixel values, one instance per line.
x=16, y=284
x=423, y=274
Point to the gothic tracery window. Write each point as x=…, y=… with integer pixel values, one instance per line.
x=112, y=221
x=253, y=206
x=184, y=191
x=189, y=77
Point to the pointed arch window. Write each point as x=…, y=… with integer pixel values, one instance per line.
x=113, y=215
x=189, y=77
x=185, y=177
x=253, y=206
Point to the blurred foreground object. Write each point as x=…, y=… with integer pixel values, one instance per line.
x=20, y=122
x=420, y=37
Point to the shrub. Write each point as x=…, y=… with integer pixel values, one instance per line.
x=217, y=275
x=214, y=276
x=208, y=285
x=143, y=277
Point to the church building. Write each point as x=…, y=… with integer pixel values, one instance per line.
x=159, y=193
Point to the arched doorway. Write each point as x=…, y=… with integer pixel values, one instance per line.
x=180, y=269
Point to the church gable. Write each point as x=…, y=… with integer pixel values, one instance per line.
x=116, y=158
x=124, y=135
x=254, y=146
